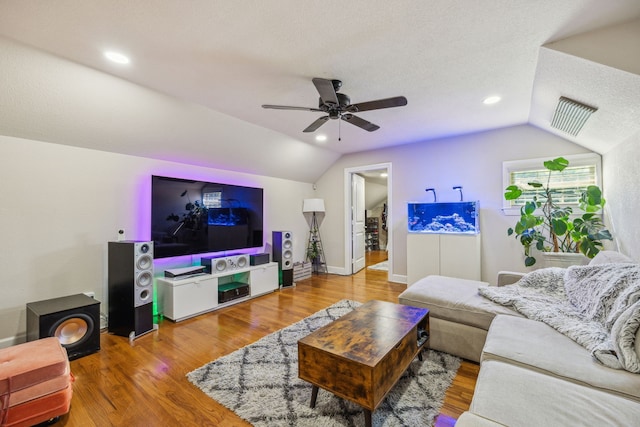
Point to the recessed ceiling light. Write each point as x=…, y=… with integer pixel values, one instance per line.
x=384, y=175
x=116, y=57
x=321, y=138
x=491, y=100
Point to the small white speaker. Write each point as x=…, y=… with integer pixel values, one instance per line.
x=237, y=261
x=228, y=263
x=219, y=265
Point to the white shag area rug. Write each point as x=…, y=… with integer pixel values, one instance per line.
x=260, y=383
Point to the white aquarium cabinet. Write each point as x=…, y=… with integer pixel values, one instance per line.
x=453, y=255
x=443, y=239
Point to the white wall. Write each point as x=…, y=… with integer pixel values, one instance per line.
x=374, y=194
x=60, y=205
x=621, y=182
x=472, y=161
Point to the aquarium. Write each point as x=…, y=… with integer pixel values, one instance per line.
x=443, y=218
x=228, y=216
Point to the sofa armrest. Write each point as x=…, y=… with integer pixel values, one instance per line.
x=509, y=277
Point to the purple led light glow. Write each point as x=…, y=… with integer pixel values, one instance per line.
x=143, y=210
x=143, y=216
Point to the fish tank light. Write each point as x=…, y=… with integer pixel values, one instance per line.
x=443, y=218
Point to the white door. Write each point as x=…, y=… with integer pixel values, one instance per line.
x=357, y=223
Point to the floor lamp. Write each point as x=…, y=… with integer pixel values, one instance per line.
x=315, y=252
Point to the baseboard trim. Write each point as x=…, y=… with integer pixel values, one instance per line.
x=398, y=278
x=341, y=271
x=11, y=341
x=338, y=270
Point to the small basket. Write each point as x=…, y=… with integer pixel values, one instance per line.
x=301, y=271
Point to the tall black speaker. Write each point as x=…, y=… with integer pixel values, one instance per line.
x=283, y=255
x=74, y=320
x=130, y=288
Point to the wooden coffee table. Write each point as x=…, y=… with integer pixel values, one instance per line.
x=362, y=355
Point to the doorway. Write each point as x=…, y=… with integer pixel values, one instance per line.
x=358, y=241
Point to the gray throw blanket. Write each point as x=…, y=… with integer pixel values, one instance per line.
x=597, y=306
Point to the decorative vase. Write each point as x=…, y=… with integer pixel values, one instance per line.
x=564, y=259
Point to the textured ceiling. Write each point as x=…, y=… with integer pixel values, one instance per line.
x=201, y=70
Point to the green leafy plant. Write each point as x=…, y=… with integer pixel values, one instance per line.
x=312, y=251
x=550, y=227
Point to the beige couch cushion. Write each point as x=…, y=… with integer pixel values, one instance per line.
x=455, y=300
x=537, y=346
x=515, y=396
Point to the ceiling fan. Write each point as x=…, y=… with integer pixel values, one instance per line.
x=338, y=106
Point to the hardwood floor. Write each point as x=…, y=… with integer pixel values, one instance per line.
x=143, y=383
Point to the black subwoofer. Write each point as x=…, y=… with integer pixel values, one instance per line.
x=74, y=320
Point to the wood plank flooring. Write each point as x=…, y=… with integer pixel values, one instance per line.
x=143, y=383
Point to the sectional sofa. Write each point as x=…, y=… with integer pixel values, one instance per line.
x=531, y=374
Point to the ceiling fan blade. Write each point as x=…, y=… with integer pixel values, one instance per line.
x=361, y=123
x=287, y=107
x=398, y=101
x=315, y=125
x=326, y=90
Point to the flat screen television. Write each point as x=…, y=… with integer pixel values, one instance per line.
x=191, y=217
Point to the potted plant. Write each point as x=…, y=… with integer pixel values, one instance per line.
x=313, y=255
x=550, y=227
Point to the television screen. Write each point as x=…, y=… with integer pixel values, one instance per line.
x=194, y=217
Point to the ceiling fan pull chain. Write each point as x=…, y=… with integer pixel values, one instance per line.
x=339, y=130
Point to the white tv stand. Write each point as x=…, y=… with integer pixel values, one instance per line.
x=180, y=299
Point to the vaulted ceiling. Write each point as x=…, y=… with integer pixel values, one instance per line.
x=200, y=71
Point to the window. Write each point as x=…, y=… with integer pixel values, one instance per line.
x=583, y=170
x=212, y=199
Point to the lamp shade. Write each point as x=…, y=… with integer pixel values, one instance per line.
x=313, y=205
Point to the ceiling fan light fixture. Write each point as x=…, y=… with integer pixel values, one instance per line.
x=321, y=138
x=570, y=115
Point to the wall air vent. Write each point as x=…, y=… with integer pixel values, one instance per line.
x=571, y=115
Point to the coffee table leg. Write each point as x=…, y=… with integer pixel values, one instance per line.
x=314, y=396
x=367, y=418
